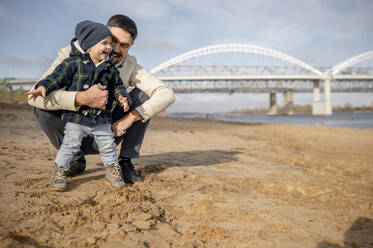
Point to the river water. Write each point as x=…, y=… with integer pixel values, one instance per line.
x=342, y=120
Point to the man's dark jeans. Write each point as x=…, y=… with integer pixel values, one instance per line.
x=52, y=125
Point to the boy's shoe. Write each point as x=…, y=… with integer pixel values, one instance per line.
x=128, y=171
x=76, y=167
x=58, y=179
x=113, y=176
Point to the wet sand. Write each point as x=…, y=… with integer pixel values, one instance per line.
x=206, y=184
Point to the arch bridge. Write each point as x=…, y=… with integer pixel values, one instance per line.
x=296, y=76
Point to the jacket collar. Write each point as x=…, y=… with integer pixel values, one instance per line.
x=76, y=49
x=120, y=63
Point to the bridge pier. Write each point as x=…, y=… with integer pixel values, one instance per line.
x=272, y=104
x=288, y=105
x=321, y=107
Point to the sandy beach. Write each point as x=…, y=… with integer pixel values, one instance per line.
x=205, y=184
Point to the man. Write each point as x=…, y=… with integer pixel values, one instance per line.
x=149, y=97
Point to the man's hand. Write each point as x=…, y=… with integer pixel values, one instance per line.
x=120, y=126
x=95, y=97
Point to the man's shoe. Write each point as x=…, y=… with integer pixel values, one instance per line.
x=113, y=176
x=128, y=171
x=58, y=179
x=76, y=167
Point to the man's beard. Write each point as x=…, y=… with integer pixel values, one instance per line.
x=117, y=57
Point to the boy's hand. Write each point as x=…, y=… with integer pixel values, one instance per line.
x=33, y=94
x=124, y=102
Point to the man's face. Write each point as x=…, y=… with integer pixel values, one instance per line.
x=122, y=42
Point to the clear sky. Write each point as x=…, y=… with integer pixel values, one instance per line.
x=320, y=32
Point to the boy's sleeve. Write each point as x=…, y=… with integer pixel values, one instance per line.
x=60, y=99
x=59, y=78
x=119, y=89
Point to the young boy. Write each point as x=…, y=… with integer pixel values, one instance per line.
x=87, y=65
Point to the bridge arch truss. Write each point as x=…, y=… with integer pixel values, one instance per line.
x=349, y=62
x=235, y=48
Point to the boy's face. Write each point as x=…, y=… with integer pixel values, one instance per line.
x=122, y=41
x=101, y=50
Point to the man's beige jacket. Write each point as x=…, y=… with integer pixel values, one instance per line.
x=132, y=74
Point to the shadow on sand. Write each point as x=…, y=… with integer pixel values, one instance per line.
x=26, y=241
x=156, y=163
x=359, y=235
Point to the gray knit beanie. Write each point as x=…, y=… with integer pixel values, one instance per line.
x=90, y=33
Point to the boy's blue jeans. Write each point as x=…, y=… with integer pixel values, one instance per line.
x=74, y=134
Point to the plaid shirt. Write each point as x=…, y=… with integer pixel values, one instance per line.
x=78, y=73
